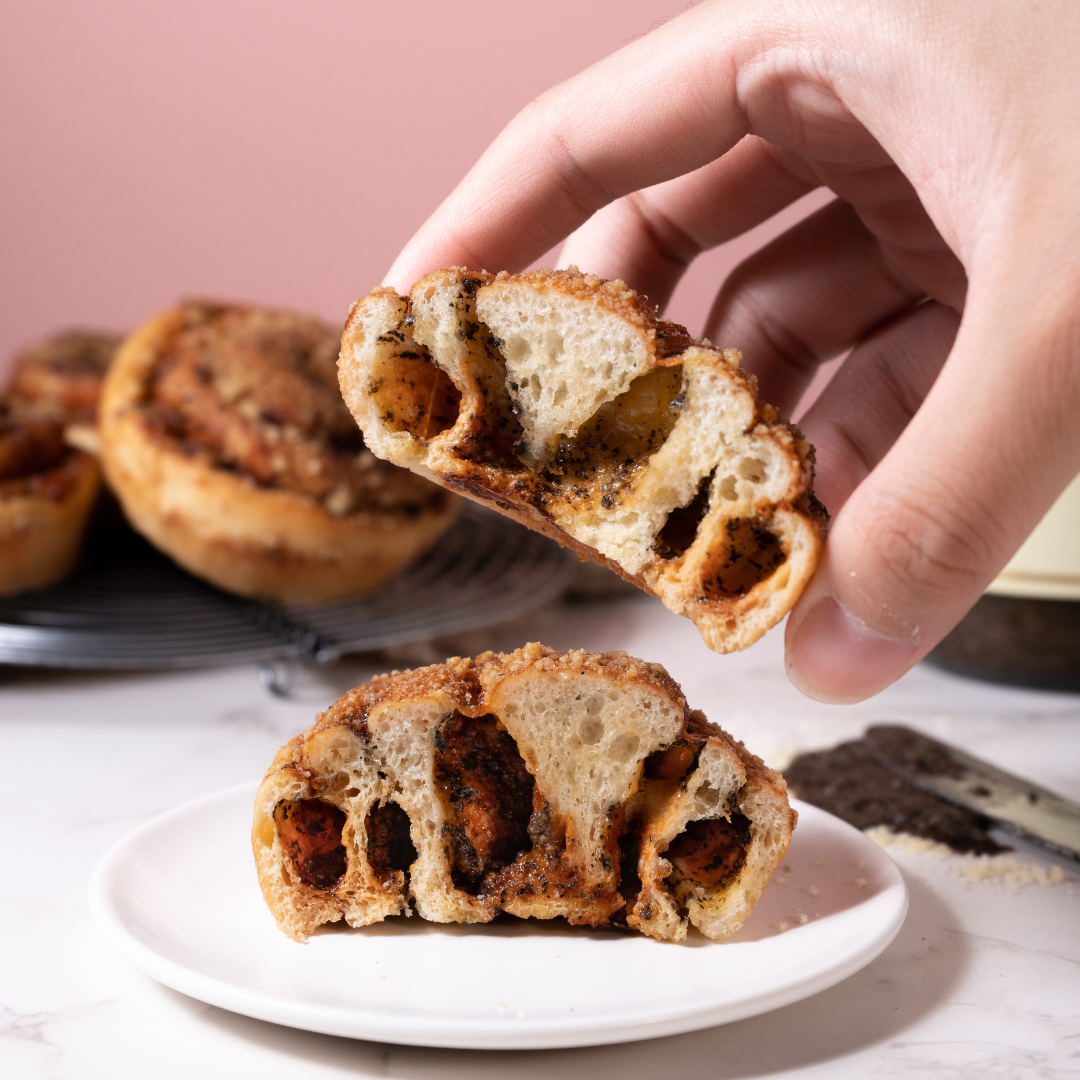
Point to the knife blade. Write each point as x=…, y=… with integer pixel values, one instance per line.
x=951, y=774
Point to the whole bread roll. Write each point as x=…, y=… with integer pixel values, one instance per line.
x=225, y=438
x=538, y=783
x=561, y=400
x=47, y=490
x=60, y=378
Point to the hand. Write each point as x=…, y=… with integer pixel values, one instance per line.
x=949, y=264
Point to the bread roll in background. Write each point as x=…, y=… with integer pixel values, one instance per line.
x=538, y=783
x=226, y=440
x=60, y=378
x=47, y=490
x=562, y=401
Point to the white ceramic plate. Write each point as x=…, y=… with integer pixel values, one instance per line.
x=179, y=898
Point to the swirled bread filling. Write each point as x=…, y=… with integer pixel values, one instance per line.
x=35, y=461
x=489, y=795
x=255, y=392
x=61, y=378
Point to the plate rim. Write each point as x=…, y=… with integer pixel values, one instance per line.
x=498, y=1033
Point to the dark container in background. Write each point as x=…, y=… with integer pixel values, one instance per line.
x=1026, y=628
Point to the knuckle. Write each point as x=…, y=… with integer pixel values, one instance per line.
x=925, y=552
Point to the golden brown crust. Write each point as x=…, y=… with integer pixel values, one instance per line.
x=492, y=667
x=230, y=450
x=391, y=742
x=683, y=483
x=613, y=296
x=468, y=681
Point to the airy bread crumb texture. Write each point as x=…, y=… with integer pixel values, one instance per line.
x=538, y=783
x=564, y=402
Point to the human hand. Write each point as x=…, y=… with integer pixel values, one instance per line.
x=949, y=264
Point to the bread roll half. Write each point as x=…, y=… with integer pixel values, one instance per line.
x=561, y=400
x=537, y=783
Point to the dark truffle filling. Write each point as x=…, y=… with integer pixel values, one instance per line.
x=412, y=393
x=615, y=443
x=494, y=432
x=389, y=845
x=674, y=762
x=489, y=797
x=310, y=831
x=681, y=527
x=749, y=555
x=709, y=852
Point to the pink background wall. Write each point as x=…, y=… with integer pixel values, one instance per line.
x=277, y=151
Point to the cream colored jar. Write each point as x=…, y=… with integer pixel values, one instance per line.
x=1047, y=567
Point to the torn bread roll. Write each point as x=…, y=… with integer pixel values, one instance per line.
x=562, y=401
x=538, y=783
x=225, y=438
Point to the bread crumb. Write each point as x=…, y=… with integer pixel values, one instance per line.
x=1003, y=869
x=1007, y=869
x=884, y=837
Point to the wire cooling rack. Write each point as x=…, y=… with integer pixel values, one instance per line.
x=130, y=607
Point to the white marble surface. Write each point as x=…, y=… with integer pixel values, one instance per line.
x=983, y=981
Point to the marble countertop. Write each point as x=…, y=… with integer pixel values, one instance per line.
x=983, y=980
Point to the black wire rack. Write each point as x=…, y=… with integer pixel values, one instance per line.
x=129, y=607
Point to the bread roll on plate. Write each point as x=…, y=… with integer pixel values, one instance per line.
x=225, y=438
x=562, y=401
x=537, y=783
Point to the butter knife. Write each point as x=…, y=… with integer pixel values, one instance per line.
x=1018, y=805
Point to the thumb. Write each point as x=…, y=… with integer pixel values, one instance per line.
x=991, y=447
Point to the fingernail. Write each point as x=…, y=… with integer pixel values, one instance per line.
x=834, y=656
